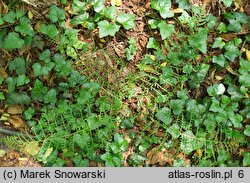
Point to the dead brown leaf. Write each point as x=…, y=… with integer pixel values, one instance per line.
x=15, y=109
x=161, y=157
x=17, y=122
x=3, y=73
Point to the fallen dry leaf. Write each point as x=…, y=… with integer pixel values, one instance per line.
x=116, y=2
x=3, y=73
x=15, y=109
x=13, y=155
x=248, y=55
x=156, y=156
x=17, y=122
x=32, y=148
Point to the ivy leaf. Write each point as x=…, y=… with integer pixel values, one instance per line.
x=56, y=14
x=216, y=90
x=79, y=161
x=189, y=142
x=184, y=4
x=174, y=130
x=218, y=43
x=215, y=106
x=164, y=115
x=42, y=70
x=185, y=18
x=234, y=26
x=2, y=96
x=211, y=21
x=98, y=5
x=109, y=12
x=10, y=17
x=63, y=68
x=245, y=79
x=11, y=84
x=107, y=29
x=177, y=105
x=81, y=140
x=222, y=27
x=163, y=7
x=227, y=3
x=19, y=13
x=235, y=20
x=22, y=80
x=220, y=60
x=153, y=23
x=232, y=51
x=25, y=27
x=198, y=77
x=1, y=20
x=127, y=20
x=13, y=41
x=18, y=64
x=45, y=56
x=71, y=52
x=49, y=30
x=247, y=130
x=131, y=50
x=236, y=120
x=18, y=98
x=244, y=66
x=38, y=91
x=50, y=97
x=246, y=160
x=76, y=78
x=165, y=29
x=78, y=6
x=37, y=42
x=79, y=19
x=152, y=43
x=199, y=40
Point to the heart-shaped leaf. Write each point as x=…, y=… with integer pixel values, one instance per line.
x=166, y=29
x=163, y=7
x=107, y=29
x=127, y=20
x=13, y=41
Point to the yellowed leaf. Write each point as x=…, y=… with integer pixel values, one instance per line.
x=102, y=40
x=22, y=159
x=218, y=78
x=3, y=73
x=32, y=148
x=47, y=153
x=239, y=4
x=30, y=15
x=15, y=109
x=116, y=2
x=17, y=122
x=4, y=117
x=229, y=69
x=178, y=10
x=4, y=9
x=152, y=57
x=248, y=55
x=149, y=69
